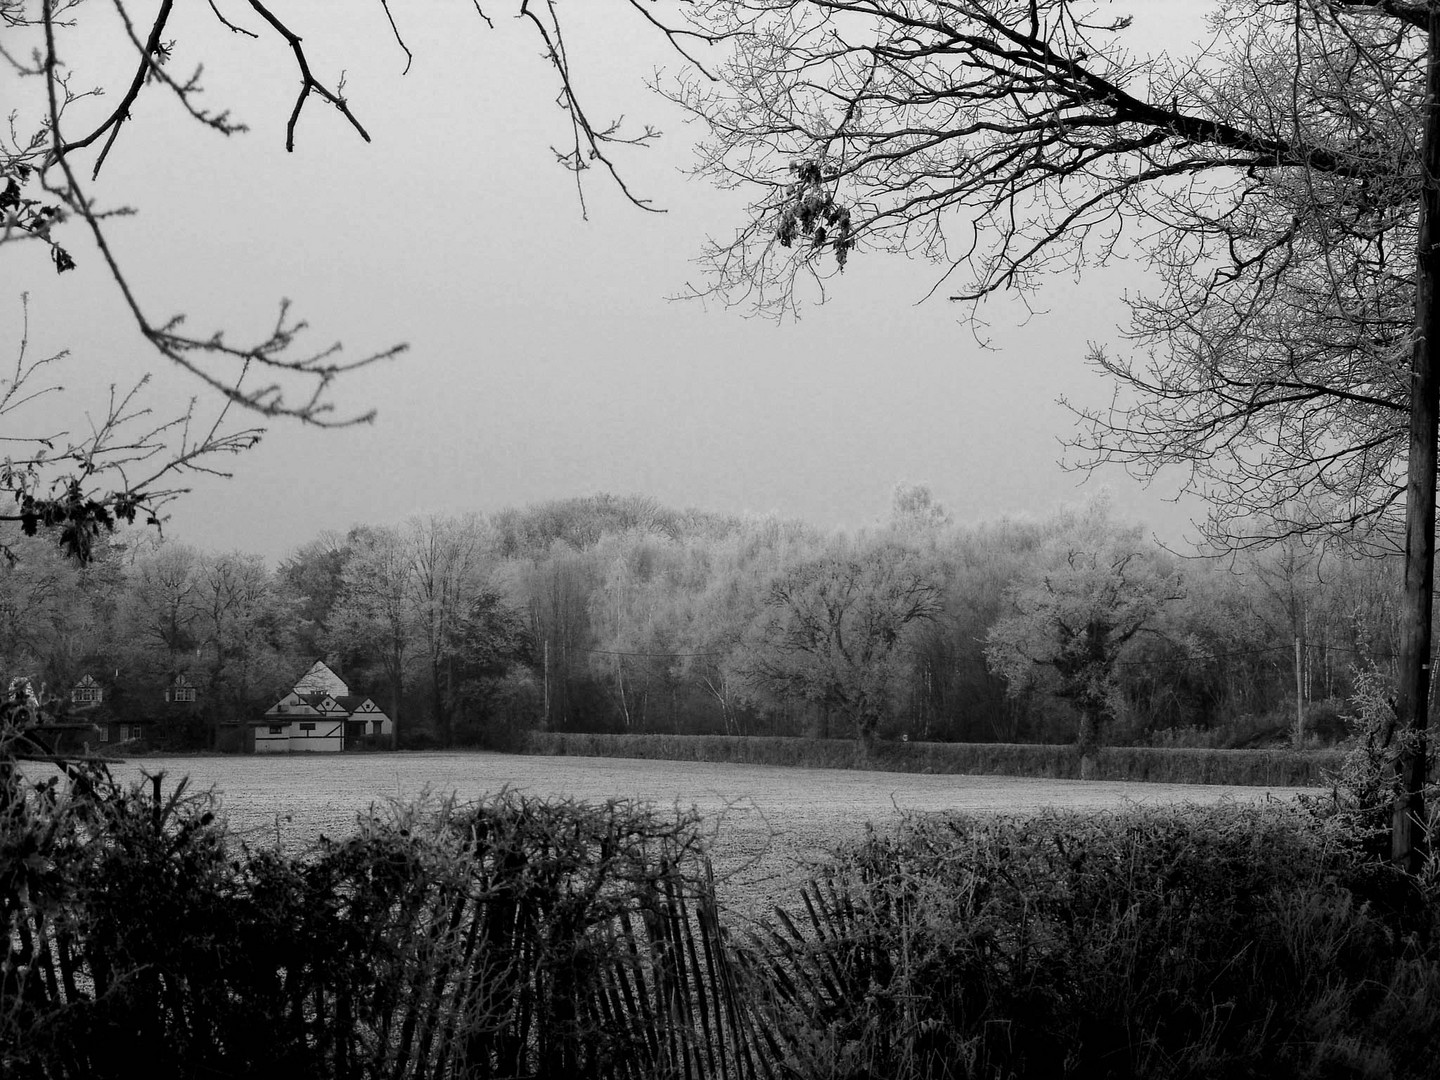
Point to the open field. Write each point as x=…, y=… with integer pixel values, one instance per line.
x=767, y=821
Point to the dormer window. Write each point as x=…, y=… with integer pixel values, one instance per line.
x=180, y=690
x=86, y=692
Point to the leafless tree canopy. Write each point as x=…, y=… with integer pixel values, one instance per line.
x=1268, y=179
x=52, y=156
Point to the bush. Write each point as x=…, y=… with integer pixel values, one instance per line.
x=1185, y=942
x=515, y=937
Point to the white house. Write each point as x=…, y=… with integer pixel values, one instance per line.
x=320, y=714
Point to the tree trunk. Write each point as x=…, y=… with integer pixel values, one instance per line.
x=867, y=720
x=1089, y=743
x=394, y=717
x=1299, y=693
x=1412, y=701
x=437, y=706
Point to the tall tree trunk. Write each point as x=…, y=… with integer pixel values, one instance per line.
x=1299, y=693
x=394, y=717
x=437, y=706
x=1412, y=702
x=1088, y=742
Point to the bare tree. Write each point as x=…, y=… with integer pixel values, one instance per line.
x=52, y=193
x=371, y=616
x=448, y=566
x=1269, y=182
x=126, y=464
x=1281, y=177
x=1070, y=619
x=834, y=632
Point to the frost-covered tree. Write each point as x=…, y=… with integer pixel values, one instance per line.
x=1071, y=617
x=835, y=631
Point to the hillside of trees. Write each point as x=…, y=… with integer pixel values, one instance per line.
x=611, y=613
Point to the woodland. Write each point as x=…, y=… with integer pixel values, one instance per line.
x=617, y=614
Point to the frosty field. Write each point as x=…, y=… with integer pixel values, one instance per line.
x=766, y=822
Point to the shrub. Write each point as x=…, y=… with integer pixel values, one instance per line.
x=516, y=937
x=1177, y=943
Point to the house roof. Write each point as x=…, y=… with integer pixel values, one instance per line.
x=362, y=706
x=324, y=705
x=321, y=690
x=320, y=679
x=321, y=702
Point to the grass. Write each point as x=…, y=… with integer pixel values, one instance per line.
x=766, y=824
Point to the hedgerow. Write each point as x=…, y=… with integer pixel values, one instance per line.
x=514, y=937
x=1181, y=942
x=1169, y=765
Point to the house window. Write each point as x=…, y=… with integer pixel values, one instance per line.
x=377, y=729
x=104, y=732
x=277, y=729
x=184, y=693
x=85, y=695
x=307, y=727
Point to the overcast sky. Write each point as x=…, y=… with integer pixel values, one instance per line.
x=546, y=356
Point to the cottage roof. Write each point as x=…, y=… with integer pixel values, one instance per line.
x=320, y=693
x=321, y=701
x=321, y=680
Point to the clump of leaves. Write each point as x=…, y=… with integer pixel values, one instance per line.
x=810, y=211
x=81, y=519
x=31, y=216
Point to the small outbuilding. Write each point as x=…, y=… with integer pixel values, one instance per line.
x=319, y=714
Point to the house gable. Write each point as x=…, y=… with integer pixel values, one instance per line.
x=180, y=689
x=288, y=707
x=321, y=680
x=86, y=692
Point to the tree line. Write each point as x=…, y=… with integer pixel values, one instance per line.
x=610, y=613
